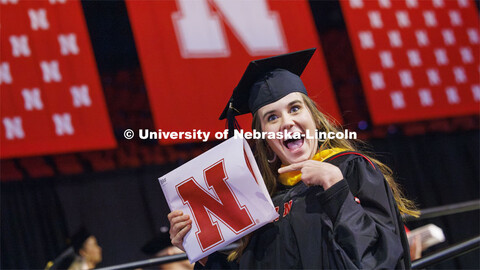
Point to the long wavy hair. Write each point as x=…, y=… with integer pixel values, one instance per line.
x=323, y=123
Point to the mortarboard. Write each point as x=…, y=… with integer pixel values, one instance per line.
x=155, y=245
x=265, y=81
x=79, y=238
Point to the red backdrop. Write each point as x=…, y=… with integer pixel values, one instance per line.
x=51, y=98
x=193, y=53
x=418, y=59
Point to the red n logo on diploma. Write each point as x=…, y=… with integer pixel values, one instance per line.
x=220, y=201
x=220, y=191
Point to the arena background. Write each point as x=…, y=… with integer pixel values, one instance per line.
x=114, y=192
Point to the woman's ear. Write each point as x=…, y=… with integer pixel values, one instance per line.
x=82, y=253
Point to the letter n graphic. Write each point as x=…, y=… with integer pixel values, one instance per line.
x=219, y=201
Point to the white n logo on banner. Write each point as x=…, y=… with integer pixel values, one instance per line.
x=398, y=102
x=460, y=75
x=386, y=59
x=366, y=39
x=476, y=92
x=32, y=99
x=50, y=71
x=20, y=45
x=4, y=2
x=425, y=97
x=433, y=76
x=68, y=44
x=412, y=3
x=5, y=75
x=422, y=38
x=452, y=95
x=377, y=80
x=38, y=19
x=63, y=124
x=467, y=56
x=200, y=33
x=13, y=128
x=405, y=78
x=80, y=96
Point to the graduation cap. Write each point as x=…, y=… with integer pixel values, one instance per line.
x=159, y=242
x=79, y=238
x=265, y=81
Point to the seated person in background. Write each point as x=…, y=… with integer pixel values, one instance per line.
x=62, y=261
x=88, y=252
x=161, y=246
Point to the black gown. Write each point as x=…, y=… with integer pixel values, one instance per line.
x=355, y=224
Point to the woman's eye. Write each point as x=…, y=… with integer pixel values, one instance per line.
x=271, y=118
x=295, y=109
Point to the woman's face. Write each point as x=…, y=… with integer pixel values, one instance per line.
x=91, y=250
x=289, y=114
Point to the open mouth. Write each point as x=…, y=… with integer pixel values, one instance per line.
x=295, y=143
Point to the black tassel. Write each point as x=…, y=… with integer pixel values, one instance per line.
x=232, y=123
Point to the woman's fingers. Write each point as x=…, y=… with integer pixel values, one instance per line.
x=171, y=218
x=174, y=214
x=178, y=239
x=178, y=219
x=291, y=167
x=177, y=223
x=315, y=173
x=180, y=224
x=416, y=253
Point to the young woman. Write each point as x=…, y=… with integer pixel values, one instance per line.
x=338, y=207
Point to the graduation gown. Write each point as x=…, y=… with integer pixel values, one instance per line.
x=355, y=224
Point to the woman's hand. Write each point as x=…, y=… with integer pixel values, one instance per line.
x=180, y=224
x=415, y=247
x=315, y=173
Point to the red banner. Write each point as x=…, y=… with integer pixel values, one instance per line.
x=193, y=53
x=51, y=98
x=418, y=59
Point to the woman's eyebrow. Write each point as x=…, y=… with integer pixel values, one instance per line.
x=294, y=102
x=289, y=104
x=265, y=114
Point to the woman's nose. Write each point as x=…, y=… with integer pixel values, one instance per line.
x=287, y=122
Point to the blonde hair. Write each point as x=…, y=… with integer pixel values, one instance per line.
x=323, y=123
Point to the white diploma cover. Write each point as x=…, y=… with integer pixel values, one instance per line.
x=223, y=192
